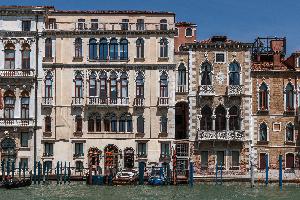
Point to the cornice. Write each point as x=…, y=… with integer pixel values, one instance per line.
x=18, y=33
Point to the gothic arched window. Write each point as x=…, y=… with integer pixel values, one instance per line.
x=103, y=49
x=164, y=85
x=113, y=49
x=234, y=73
x=206, y=74
x=206, y=118
x=140, y=48
x=263, y=132
x=123, y=49
x=234, y=118
x=78, y=48
x=93, y=49
x=289, y=97
x=263, y=97
x=220, y=118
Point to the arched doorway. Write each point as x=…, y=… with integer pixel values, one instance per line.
x=181, y=120
x=129, y=158
x=111, y=153
x=8, y=150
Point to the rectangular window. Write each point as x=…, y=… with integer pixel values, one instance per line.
x=142, y=149
x=26, y=25
x=81, y=24
x=204, y=159
x=24, y=139
x=78, y=149
x=48, y=166
x=48, y=149
x=25, y=107
x=9, y=59
x=220, y=158
x=79, y=166
x=140, y=124
x=165, y=149
x=124, y=24
x=78, y=123
x=182, y=149
x=52, y=23
x=94, y=24
x=47, y=124
x=163, y=124
x=220, y=58
x=24, y=163
x=140, y=25
x=235, y=159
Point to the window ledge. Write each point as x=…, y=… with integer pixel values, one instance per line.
x=47, y=134
x=234, y=168
x=77, y=59
x=48, y=59
x=78, y=133
x=262, y=142
x=263, y=112
x=139, y=59
x=163, y=59
x=289, y=143
x=163, y=134
x=289, y=112
x=24, y=148
x=142, y=156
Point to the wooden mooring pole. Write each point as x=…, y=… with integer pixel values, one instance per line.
x=267, y=169
x=280, y=172
x=252, y=173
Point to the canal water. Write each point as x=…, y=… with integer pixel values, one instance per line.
x=80, y=191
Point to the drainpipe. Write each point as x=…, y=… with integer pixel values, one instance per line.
x=36, y=88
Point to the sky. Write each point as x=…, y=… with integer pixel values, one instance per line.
x=242, y=20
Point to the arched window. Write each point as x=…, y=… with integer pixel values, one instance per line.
x=47, y=124
x=140, y=48
x=181, y=78
x=78, y=86
x=164, y=85
x=176, y=32
x=106, y=122
x=93, y=85
x=124, y=86
x=122, y=122
x=163, y=48
x=163, y=24
x=129, y=122
x=103, y=49
x=125, y=123
x=113, y=49
x=48, y=48
x=113, y=120
x=263, y=132
x=9, y=56
x=289, y=132
x=234, y=73
x=78, y=123
x=139, y=85
x=289, y=161
x=220, y=118
x=289, y=97
x=188, y=32
x=206, y=74
x=113, y=88
x=234, y=118
x=48, y=85
x=93, y=49
x=9, y=104
x=78, y=48
x=123, y=49
x=91, y=124
x=263, y=96
x=25, y=56
x=25, y=105
x=103, y=86
x=94, y=123
x=140, y=124
x=206, y=118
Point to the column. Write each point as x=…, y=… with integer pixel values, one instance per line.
x=213, y=122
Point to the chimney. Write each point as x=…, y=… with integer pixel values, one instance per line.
x=278, y=48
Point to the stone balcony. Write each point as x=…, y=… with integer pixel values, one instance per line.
x=16, y=73
x=221, y=135
x=163, y=101
x=235, y=90
x=206, y=90
x=77, y=101
x=107, y=101
x=139, y=102
x=47, y=101
x=16, y=122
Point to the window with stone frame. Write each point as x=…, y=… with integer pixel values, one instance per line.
x=9, y=104
x=204, y=159
x=93, y=85
x=234, y=118
x=78, y=123
x=263, y=97
x=163, y=124
x=113, y=123
x=25, y=100
x=142, y=149
x=289, y=132
x=181, y=78
x=235, y=160
x=93, y=49
x=48, y=165
x=122, y=123
x=124, y=24
x=25, y=56
x=124, y=87
x=106, y=122
x=78, y=48
x=79, y=166
x=139, y=85
x=220, y=57
x=188, y=32
x=94, y=122
x=220, y=123
x=24, y=139
x=234, y=73
x=48, y=85
x=9, y=56
x=113, y=88
x=263, y=132
x=78, y=149
x=140, y=124
x=94, y=24
x=298, y=62
x=26, y=25
x=48, y=48
x=289, y=97
x=24, y=163
x=140, y=48
x=103, y=49
x=113, y=49
x=221, y=158
x=103, y=87
x=176, y=32
x=78, y=86
x=163, y=85
x=48, y=124
x=48, y=149
x=165, y=149
x=124, y=49
x=206, y=74
x=81, y=24
x=163, y=48
x=163, y=24
x=140, y=24
x=289, y=161
x=206, y=118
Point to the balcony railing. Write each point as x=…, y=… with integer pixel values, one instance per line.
x=206, y=90
x=221, y=135
x=109, y=59
x=181, y=88
x=139, y=102
x=108, y=101
x=94, y=26
x=235, y=90
x=47, y=101
x=77, y=101
x=15, y=73
x=16, y=122
x=163, y=101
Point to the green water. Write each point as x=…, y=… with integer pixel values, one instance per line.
x=199, y=191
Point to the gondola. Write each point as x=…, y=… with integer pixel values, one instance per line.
x=157, y=176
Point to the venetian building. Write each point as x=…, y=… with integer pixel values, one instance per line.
x=108, y=88
x=219, y=105
x=275, y=106
x=20, y=65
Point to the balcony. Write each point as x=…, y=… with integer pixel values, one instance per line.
x=235, y=90
x=206, y=90
x=221, y=135
x=139, y=102
x=163, y=101
x=181, y=89
x=47, y=101
x=16, y=73
x=77, y=101
x=107, y=101
x=16, y=122
x=109, y=59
